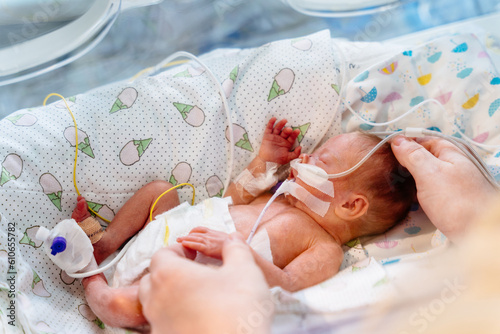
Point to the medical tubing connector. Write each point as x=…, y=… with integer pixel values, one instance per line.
x=225, y=103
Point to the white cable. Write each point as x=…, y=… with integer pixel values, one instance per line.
x=368, y=155
x=420, y=132
x=456, y=128
x=271, y=200
x=106, y=267
x=397, y=118
x=225, y=103
x=155, y=69
x=340, y=98
x=469, y=152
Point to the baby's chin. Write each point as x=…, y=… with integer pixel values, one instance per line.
x=292, y=200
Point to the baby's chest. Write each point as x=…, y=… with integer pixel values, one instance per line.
x=288, y=232
x=289, y=236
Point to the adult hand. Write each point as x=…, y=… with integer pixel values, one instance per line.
x=450, y=188
x=182, y=296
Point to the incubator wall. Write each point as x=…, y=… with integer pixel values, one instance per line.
x=141, y=37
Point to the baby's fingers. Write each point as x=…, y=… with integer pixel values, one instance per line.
x=292, y=134
x=279, y=126
x=270, y=125
x=202, y=248
x=192, y=237
x=295, y=153
x=200, y=229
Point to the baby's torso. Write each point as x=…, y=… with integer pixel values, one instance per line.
x=290, y=230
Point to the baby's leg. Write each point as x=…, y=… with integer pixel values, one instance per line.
x=132, y=217
x=120, y=307
x=117, y=307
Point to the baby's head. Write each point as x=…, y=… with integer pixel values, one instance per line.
x=375, y=196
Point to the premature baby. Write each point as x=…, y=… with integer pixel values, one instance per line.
x=306, y=246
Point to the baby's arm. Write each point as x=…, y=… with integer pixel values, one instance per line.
x=275, y=148
x=317, y=263
x=313, y=266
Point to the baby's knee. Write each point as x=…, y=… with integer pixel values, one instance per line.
x=158, y=187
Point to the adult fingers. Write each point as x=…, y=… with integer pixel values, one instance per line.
x=441, y=148
x=416, y=158
x=145, y=289
x=165, y=258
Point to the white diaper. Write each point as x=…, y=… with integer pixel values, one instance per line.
x=179, y=221
x=164, y=231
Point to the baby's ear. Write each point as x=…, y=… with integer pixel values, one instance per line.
x=353, y=207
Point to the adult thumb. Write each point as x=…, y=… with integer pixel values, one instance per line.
x=414, y=156
x=236, y=251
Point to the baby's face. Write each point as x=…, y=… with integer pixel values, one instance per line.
x=334, y=156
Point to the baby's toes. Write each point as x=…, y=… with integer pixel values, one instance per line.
x=81, y=211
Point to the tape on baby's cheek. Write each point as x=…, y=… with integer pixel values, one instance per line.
x=256, y=185
x=314, y=177
x=316, y=205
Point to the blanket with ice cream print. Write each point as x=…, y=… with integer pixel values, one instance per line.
x=172, y=126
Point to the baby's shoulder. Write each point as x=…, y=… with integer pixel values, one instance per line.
x=327, y=244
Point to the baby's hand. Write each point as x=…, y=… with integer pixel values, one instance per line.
x=205, y=240
x=277, y=143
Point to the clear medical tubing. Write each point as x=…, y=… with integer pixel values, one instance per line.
x=483, y=146
x=412, y=132
x=462, y=144
x=271, y=200
x=215, y=80
x=366, y=157
x=341, y=93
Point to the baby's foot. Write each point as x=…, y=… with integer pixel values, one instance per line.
x=81, y=212
x=89, y=224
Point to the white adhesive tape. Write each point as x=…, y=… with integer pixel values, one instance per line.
x=313, y=176
x=316, y=205
x=256, y=185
